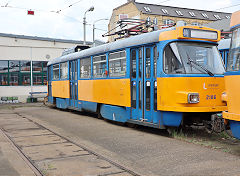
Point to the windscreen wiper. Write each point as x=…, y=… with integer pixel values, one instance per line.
x=190, y=61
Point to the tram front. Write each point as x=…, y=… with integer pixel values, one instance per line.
x=191, y=81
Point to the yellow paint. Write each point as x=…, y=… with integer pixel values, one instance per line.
x=108, y=91
x=173, y=94
x=178, y=34
x=232, y=84
x=61, y=89
x=235, y=19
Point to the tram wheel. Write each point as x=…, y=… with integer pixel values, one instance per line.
x=132, y=125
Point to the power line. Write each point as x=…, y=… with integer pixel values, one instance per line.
x=227, y=7
x=22, y=8
x=164, y=1
x=58, y=11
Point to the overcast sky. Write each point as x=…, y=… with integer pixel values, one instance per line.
x=68, y=23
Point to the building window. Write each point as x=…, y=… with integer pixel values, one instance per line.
x=64, y=70
x=85, y=65
x=3, y=73
x=26, y=79
x=147, y=9
x=56, y=72
x=99, y=66
x=14, y=66
x=15, y=73
x=37, y=66
x=164, y=11
x=3, y=79
x=37, y=79
x=3, y=66
x=168, y=22
x=155, y=21
x=217, y=17
x=192, y=14
x=117, y=64
x=39, y=73
x=195, y=24
x=25, y=66
x=179, y=12
x=123, y=16
x=13, y=79
x=204, y=15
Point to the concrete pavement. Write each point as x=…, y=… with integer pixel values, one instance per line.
x=146, y=151
x=49, y=153
x=12, y=163
x=70, y=143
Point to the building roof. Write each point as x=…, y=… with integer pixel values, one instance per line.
x=43, y=38
x=154, y=9
x=221, y=25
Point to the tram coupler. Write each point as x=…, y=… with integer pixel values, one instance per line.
x=216, y=124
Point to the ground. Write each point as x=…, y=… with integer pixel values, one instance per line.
x=101, y=147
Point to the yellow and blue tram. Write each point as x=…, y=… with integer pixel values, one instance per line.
x=160, y=79
x=232, y=79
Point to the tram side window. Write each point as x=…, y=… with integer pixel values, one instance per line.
x=155, y=61
x=99, y=66
x=85, y=68
x=148, y=62
x=64, y=70
x=134, y=68
x=117, y=64
x=56, y=72
x=172, y=65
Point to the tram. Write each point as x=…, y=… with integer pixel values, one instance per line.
x=166, y=78
x=232, y=79
x=223, y=47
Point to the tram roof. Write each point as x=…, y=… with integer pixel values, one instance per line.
x=150, y=37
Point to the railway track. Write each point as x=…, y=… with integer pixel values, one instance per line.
x=49, y=153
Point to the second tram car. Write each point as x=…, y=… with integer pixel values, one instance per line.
x=160, y=79
x=232, y=78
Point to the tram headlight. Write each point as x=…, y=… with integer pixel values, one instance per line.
x=193, y=98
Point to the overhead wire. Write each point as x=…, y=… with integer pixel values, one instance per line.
x=58, y=11
x=23, y=8
x=164, y=1
x=228, y=7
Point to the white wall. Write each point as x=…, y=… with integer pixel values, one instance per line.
x=25, y=49
x=28, y=49
x=22, y=92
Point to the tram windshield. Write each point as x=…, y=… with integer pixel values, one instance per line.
x=192, y=58
x=233, y=63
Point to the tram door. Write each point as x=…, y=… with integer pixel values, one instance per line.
x=73, y=83
x=143, y=83
x=49, y=81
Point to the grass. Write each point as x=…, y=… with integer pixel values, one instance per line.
x=208, y=141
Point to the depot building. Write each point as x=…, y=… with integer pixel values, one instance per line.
x=23, y=64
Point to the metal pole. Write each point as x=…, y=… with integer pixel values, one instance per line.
x=93, y=35
x=95, y=28
x=84, y=29
x=84, y=24
x=31, y=71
